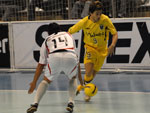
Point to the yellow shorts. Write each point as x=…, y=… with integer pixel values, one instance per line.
x=95, y=57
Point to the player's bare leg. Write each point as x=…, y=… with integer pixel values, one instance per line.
x=90, y=73
x=89, y=69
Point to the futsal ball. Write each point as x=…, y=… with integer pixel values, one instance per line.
x=90, y=89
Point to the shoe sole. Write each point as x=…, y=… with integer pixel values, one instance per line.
x=69, y=109
x=31, y=110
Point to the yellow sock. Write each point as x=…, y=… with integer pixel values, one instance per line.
x=88, y=79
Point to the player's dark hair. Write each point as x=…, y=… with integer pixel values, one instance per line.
x=53, y=28
x=97, y=5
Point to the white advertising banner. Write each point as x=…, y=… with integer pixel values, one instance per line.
x=132, y=49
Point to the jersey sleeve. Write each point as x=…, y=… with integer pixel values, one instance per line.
x=110, y=26
x=77, y=27
x=43, y=54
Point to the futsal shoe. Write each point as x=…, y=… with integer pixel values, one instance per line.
x=33, y=108
x=87, y=98
x=70, y=107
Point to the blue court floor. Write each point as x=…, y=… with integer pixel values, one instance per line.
x=118, y=93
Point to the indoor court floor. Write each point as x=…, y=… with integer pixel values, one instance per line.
x=118, y=93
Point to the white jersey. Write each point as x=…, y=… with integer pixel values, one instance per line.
x=61, y=40
x=54, y=42
x=56, y=61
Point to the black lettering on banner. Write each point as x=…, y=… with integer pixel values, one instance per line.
x=76, y=43
x=126, y=42
x=82, y=50
x=39, y=39
x=3, y=44
x=4, y=47
x=145, y=46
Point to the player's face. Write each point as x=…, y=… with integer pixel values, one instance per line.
x=95, y=16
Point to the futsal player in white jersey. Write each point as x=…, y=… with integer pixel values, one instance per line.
x=57, y=55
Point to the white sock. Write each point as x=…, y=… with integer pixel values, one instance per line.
x=72, y=89
x=40, y=91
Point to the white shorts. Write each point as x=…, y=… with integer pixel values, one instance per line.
x=66, y=62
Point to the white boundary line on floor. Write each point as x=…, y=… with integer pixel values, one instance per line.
x=81, y=92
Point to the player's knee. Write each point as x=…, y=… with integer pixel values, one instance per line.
x=45, y=82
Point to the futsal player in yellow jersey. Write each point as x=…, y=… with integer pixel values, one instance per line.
x=96, y=28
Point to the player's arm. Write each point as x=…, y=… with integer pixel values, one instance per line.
x=113, y=44
x=39, y=68
x=81, y=86
x=75, y=28
x=79, y=75
x=113, y=31
x=37, y=74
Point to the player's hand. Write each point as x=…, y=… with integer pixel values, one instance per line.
x=111, y=50
x=79, y=88
x=32, y=87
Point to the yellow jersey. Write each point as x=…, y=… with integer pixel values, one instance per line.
x=95, y=34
